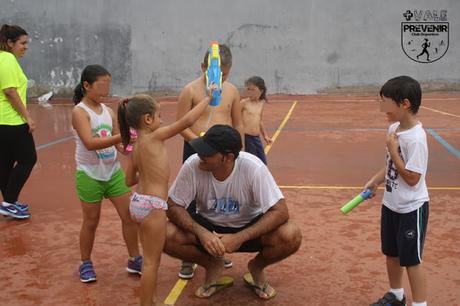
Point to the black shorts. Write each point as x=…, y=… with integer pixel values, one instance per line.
x=403, y=235
x=250, y=246
x=253, y=145
x=187, y=151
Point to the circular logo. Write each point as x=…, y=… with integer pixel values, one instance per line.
x=410, y=234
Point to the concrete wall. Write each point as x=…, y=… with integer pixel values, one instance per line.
x=297, y=46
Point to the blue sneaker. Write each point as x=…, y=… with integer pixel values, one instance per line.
x=14, y=211
x=87, y=273
x=22, y=206
x=135, y=265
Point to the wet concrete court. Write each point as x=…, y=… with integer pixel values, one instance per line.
x=327, y=147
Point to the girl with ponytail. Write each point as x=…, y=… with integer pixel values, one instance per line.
x=148, y=168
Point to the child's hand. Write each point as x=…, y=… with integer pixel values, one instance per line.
x=268, y=140
x=213, y=86
x=121, y=149
x=392, y=142
x=132, y=140
x=371, y=185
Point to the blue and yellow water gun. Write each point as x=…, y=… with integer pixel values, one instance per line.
x=214, y=74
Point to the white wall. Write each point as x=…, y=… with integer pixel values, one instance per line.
x=297, y=46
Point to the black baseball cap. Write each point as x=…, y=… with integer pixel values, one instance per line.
x=219, y=138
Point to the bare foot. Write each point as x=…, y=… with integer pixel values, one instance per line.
x=213, y=271
x=258, y=274
x=257, y=281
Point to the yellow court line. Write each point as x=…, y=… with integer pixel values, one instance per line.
x=181, y=283
x=353, y=187
x=441, y=112
x=278, y=131
x=175, y=292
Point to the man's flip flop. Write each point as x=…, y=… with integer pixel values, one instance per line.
x=264, y=292
x=205, y=292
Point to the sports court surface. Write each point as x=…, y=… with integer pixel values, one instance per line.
x=326, y=148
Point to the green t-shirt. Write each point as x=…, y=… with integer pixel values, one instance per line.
x=11, y=75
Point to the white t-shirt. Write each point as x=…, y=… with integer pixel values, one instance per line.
x=249, y=191
x=413, y=149
x=98, y=164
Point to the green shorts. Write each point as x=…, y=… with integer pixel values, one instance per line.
x=90, y=190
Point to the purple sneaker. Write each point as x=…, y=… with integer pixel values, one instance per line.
x=14, y=211
x=87, y=273
x=22, y=206
x=135, y=265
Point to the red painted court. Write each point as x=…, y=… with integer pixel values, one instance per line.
x=327, y=148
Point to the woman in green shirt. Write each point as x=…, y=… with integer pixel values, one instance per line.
x=17, y=153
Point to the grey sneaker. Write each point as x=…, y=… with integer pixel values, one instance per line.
x=228, y=263
x=187, y=270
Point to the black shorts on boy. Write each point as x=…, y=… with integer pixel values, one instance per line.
x=403, y=235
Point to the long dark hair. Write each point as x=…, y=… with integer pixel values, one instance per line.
x=130, y=111
x=90, y=74
x=10, y=32
x=259, y=83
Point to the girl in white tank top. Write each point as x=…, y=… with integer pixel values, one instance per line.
x=98, y=174
x=98, y=164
